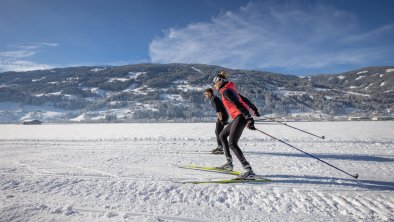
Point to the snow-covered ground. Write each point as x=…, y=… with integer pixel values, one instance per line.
x=127, y=172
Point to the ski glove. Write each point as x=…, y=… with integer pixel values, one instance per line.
x=250, y=123
x=224, y=122
x=256, y=113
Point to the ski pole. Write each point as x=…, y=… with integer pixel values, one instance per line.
x=321, y=137
x=354, y=176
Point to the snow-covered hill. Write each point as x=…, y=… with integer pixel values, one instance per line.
x=173, y=92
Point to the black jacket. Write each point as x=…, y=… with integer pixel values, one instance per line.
x=219, y=107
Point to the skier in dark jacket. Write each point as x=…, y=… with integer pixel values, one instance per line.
x=221, y=120
x=238, y=108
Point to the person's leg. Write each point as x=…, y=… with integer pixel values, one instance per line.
x=218, y=130
x=223, y=139
x=236, y=130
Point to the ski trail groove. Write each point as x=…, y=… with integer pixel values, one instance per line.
x=35, y=170
x=79, y=167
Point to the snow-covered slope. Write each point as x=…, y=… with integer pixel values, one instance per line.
x=174, y=92
x=127, y=172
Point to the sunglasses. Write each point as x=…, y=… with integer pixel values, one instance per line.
x=218, y=79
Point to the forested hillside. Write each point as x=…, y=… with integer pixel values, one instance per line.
x=163, y=92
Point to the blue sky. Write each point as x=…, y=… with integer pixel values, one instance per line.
x=286, y=36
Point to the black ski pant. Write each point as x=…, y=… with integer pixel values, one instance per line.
x=218, y=130
x=234, y=131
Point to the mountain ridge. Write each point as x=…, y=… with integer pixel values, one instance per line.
x=174, y=92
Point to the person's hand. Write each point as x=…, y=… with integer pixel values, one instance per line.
x=250, y=123
x=256, y=113
x=223, y=122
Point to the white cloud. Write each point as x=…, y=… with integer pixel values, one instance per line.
x=376, y=34
x=35, y=46
x=23, y=66
x=16, y=54
x=18, y=60
x=50, y=44
x=269, y=36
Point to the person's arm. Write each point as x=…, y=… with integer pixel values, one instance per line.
x=231, y=96
x=247, y=101
x=215, y=104
x=220, y=116
x=251, y=105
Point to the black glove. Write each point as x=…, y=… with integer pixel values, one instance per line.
x=256, y=113
x=250, y=123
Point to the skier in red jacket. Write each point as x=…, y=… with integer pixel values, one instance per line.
x=238, y=108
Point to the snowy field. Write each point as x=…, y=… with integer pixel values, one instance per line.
x=128, y=172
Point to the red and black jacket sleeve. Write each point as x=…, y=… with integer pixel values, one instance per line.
x=232, y=97
x=247, y=101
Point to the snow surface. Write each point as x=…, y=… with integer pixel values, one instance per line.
x=127, y=172
x=362, y=72
x=352, y=93
x=134, y=75
x=172, y=97
x=118, y=79
x=97, y=69
x=290, y=93
x=25, y=112
x=197, y=70
x=37, y=80
x=389, y=70
x=131, y=75
x=185, y=86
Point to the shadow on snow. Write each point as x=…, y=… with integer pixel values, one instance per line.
x=330, y=156
x=316, y=180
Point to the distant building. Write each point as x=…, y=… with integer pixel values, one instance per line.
x=32, y=122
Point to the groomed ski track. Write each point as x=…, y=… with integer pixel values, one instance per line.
x=132, y=178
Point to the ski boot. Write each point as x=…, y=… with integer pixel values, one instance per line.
x=247, y=175
x=227, y=166
x=218, y=150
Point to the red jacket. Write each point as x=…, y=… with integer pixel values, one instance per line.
x=231, y=108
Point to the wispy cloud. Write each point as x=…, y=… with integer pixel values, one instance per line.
x=266, y=36
x=379, y=35
x=19, y=59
